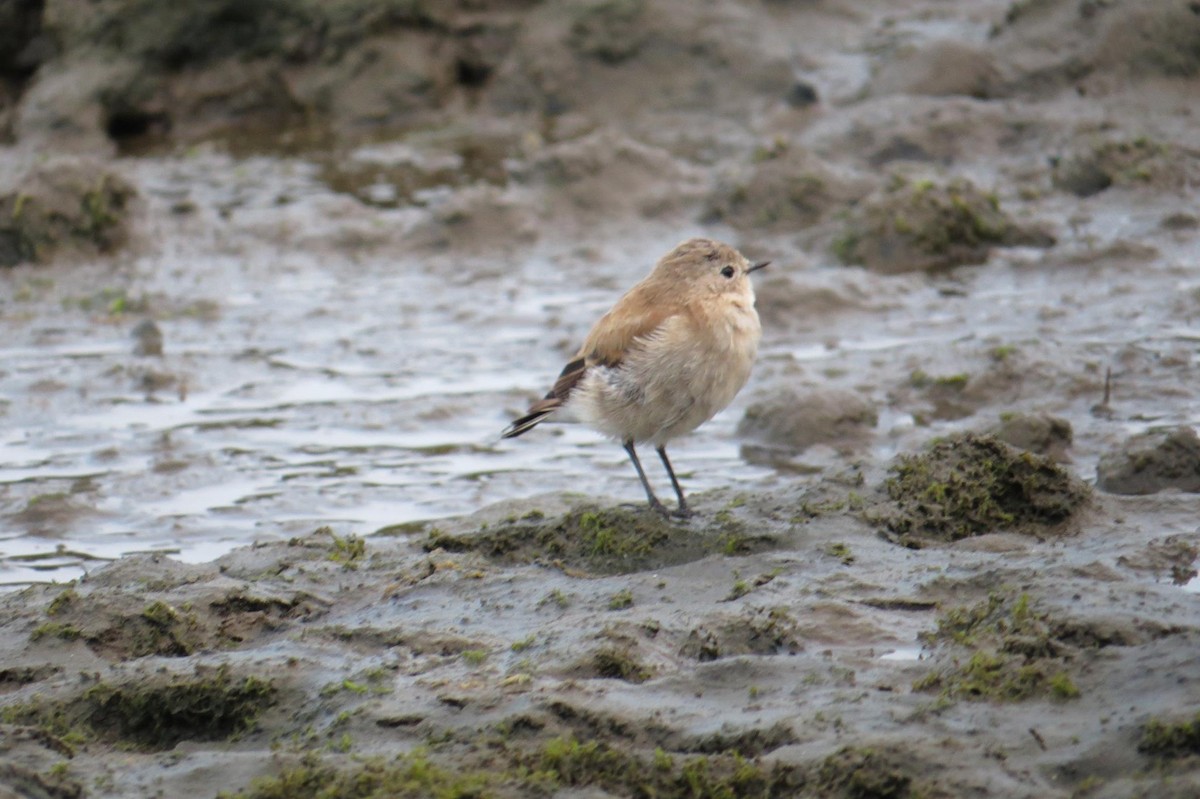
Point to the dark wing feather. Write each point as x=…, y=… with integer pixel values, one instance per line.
x=570, y=376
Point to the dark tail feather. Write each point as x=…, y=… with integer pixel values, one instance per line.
x=537, y=413
x=571, y=374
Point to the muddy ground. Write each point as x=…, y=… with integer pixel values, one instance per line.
x=275, y=275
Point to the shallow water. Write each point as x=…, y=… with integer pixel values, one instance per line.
x=324, y=392
x=309, y=383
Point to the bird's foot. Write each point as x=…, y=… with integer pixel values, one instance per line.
x=660, y=509
x=683, y=512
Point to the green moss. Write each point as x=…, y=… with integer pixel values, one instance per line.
x=61, y=603
x=845, y=246
x=1170, y=739
x=970, y=484
x=346, y=550
x=1063, y=687
x=617, y=664
x=840, y=551
x=53, y=629
x=155, y=714
x=1015, y=653
x=474, y=657
x=538, y=770
x=557, y=597
x=160, y=613
x=862, y=773
x=523, y=644
x=739, y=590
x=599, y=540
x=570, y=762
x=924, y=226
x=1123, y=163
x=411, y=776
x=621, y=600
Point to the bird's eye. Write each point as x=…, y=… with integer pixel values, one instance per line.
x=727, y=271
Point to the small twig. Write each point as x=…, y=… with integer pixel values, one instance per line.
x=1037, y=736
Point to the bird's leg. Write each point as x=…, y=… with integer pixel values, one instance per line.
x=683, y=511
x=654, y=503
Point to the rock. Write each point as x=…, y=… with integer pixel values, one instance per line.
x=923, y=226
x=1036, y=432
x=790, y=420
x=1151, y=462
x=63, y=204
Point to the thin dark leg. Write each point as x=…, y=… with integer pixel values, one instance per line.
x=654, y=503
x=683, y=510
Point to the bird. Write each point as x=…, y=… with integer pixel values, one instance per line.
x=672, y=352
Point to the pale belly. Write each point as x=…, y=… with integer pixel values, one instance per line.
x=671, y=387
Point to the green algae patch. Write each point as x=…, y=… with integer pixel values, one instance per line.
x=1168, y=740
x=923, y=226
x=541, y=770
x=602, y=540
x=155, y=714
x=1002, y=649
x=971, y=484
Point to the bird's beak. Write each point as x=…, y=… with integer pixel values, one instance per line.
x=758, y=266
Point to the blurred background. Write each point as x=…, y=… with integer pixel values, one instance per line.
x=267, y=265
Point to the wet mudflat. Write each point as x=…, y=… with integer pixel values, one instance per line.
x=271, y=545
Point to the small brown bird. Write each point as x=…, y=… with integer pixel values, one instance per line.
x=666, y=358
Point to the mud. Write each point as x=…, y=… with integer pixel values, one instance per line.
x=259, y=537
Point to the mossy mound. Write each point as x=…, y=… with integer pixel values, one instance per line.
x=971, y=484
x=1017, y=652
x=155, y=714
x=63, y=204
x=1124, y=163
x=1170, y=740
x=602, y=540
x=924, y=226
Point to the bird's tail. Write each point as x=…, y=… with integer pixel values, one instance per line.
x=537, y=412
x=570, y=376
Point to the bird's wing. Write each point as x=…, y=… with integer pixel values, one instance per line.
x=633, y=319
